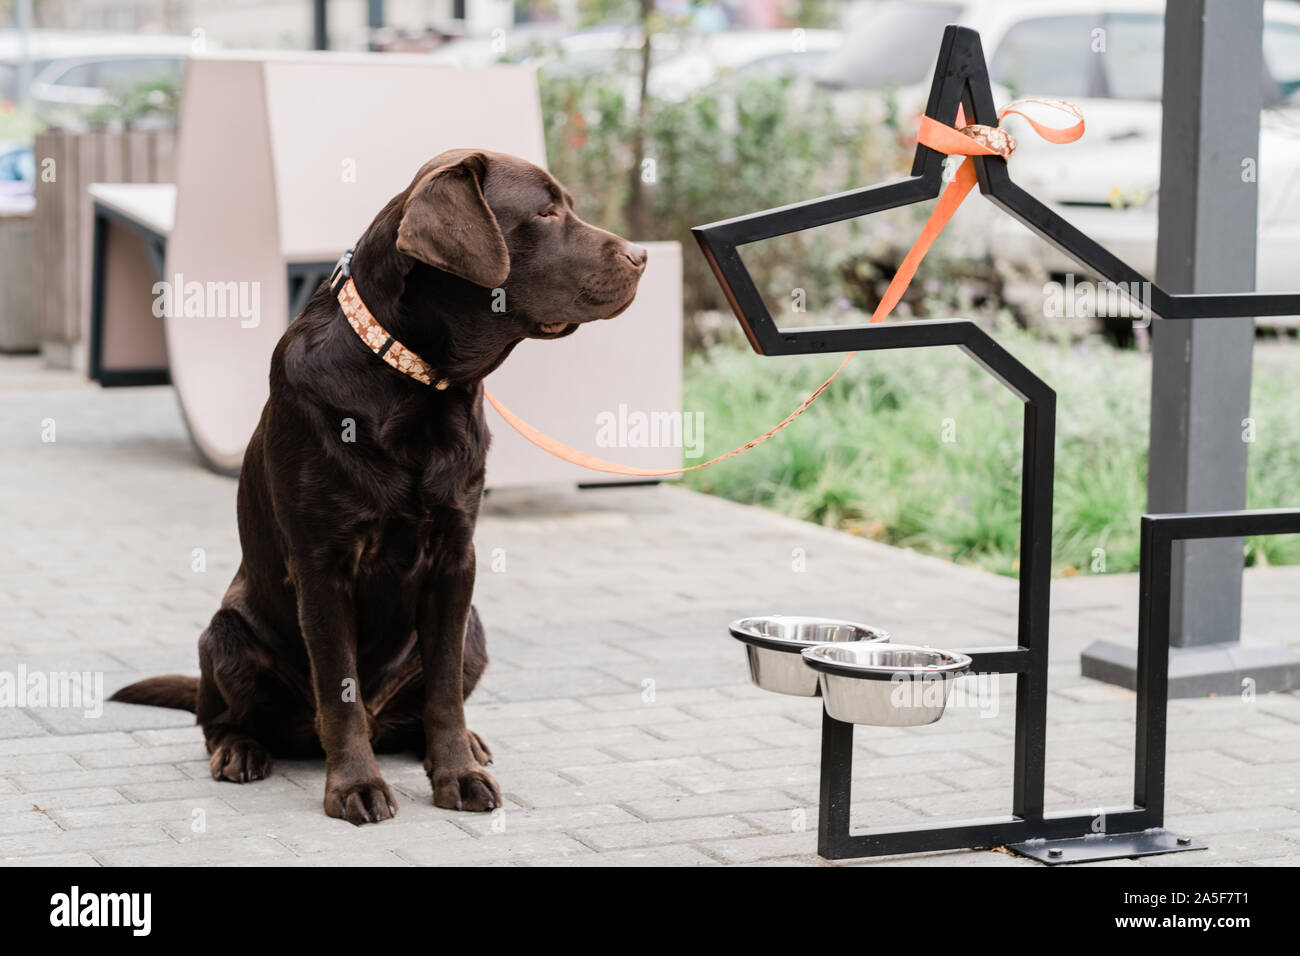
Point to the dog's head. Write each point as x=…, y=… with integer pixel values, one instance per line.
x=497, y=232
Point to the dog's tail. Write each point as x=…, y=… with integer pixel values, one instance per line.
x=170, y=690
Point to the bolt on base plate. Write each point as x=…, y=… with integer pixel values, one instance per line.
x=1105, y=846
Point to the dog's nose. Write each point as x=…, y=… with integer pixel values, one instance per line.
x=637, y=255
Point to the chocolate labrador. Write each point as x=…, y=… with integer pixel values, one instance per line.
x=348, y=626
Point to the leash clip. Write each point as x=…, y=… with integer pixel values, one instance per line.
x=342, y=272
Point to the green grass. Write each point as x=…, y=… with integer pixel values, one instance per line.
x=921, y=448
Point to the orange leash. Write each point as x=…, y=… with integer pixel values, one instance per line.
x=973, y=140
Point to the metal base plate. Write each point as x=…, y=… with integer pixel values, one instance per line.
x=1105, y=846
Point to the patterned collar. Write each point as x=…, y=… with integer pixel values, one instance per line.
x=374, y=335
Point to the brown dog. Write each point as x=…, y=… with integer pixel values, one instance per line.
x=348, y=626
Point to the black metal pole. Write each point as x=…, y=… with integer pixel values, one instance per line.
x=836, y=784
x=1200, y=381
x=1152, y=672
x=320, y=25
x=1200, y=374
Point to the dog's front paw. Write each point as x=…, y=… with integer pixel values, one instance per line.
x=464, y=788
x=359, y=799
x=239, y=760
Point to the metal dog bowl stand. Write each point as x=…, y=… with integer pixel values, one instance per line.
x=895, y=685
x=1137, y=828
x=773, y=644
x=862, y=678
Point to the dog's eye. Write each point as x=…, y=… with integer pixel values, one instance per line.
x=550, y=212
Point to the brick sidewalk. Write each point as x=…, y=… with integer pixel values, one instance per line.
x=623, y=723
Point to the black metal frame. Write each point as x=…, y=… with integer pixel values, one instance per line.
x=961, y=77
x=303, y=278
x=156, y=244
x=1159, y=532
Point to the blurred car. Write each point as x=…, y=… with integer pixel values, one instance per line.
x=681, y=65
x=1107, y=183
x=17, y=162
x=75, y=71
x=90, y=82
x=17, y=177
x=508, y=46
x=739, y=54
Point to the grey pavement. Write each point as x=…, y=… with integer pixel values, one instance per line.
x=623, y=723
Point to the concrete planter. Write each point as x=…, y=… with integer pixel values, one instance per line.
x=17, y=315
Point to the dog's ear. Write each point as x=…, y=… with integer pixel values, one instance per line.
x=446, y=223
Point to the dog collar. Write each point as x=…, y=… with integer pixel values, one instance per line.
x=374, y=335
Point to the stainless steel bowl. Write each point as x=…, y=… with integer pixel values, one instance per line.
x=893, y=685
x=773, y=643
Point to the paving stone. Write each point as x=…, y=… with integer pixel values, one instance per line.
x=649, y=833
x=652, y=748
x=170, y=735
x=652, y=715
x=713, y=804
x=505, y=763
x=17, y=724
x=59, y=860
x=201, y=851
x=723, y=779
x=803, y=817
x=89, y=839
x=505, y=847
x=123, y=757
x=964, y=858
x=15, y=764
x=160, y=811
x=662, y=699
x=572, y=794
x=565, y=818
x=109, y=777
x=972, y=804
x=605, y=591
x=372, y=858
x=1231, y=821
x=115, y=717
x=186, y=788
x=1224, y=849
x=747, y=849
x=873, y=788
x=71, y=743
x=26, y=821
x=673, y=855
x=306, y=831
x=64, y=799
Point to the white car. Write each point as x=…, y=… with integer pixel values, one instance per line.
x=680, y=66
x=741, y=53
x=1106, y=184
x=89, y=82
x=72, y=68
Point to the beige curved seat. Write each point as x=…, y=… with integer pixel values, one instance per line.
x=284, y=159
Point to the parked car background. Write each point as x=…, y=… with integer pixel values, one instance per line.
x=81, y=69
x=681, y=65
x=1107, y=58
